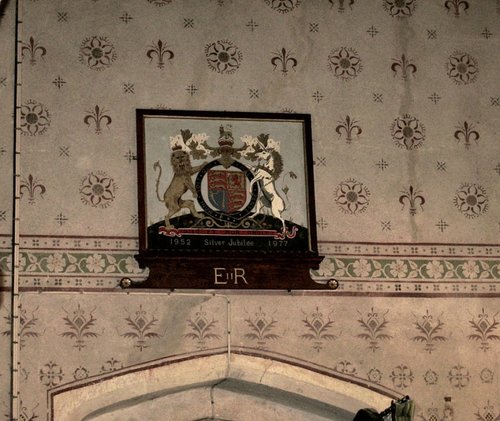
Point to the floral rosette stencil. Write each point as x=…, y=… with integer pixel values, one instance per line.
x=400, y=8
x=352, y=196
x=97, y=53
x=283, y=6
x=223, y=56
x=344, y=63
x=35, y=118
x=408, y=132
x=462, y=68
x=160, y=3
x=98, y=190
x=471, y=200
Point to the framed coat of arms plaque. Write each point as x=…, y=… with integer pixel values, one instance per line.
x=226, y=200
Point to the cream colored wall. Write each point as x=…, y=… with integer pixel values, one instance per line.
x=417, y=311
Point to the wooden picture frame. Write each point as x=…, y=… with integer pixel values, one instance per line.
x=226, y=200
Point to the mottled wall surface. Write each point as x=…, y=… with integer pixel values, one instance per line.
x=405, y=104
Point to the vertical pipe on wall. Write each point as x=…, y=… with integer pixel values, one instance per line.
x=15, y=305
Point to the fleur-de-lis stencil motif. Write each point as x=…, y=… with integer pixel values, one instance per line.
x=484, y=329
x=98, y=116
x=428, y=329
x=27, y=326
x=350, y=127
x=413, y=197
x=285, y=58
x=346, y=367
x=25, y=374
x=456, y=6
x=8, y=324
x=202, y=329
x=142, y=325
x=404, y=66
x=25, y=414
x=261, y=327
x=32, y=186
x=374, y=325
x=488, y=413
x=431, y=414
x=111, y=365
x=318, y=327
x=32, y=48
x=80, y=326
x=466, y=133
x=161, y=51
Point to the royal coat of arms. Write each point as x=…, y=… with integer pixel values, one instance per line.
x=237, y=192
x=225, y=183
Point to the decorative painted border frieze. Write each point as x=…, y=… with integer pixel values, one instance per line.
x=352, y=268
x=397, y=269
x=417, y=269
x=409, y=249
x=78, y=263
x=42, y=242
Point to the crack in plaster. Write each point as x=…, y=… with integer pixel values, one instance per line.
x=265, y=370
x=404, y=33
x=212, y=397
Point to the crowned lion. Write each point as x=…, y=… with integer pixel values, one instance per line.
x=180, y=184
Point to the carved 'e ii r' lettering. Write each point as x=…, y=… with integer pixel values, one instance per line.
x=222, y=276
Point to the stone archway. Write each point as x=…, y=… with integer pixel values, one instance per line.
x=215, y=387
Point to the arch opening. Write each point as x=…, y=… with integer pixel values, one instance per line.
x=214, y=387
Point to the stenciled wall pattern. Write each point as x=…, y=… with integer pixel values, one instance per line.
x=405, y=104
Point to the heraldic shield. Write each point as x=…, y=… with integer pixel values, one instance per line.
x=227, y=190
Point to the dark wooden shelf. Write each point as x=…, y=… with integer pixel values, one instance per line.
x=229, y=271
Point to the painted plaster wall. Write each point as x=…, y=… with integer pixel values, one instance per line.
x=404, y=98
